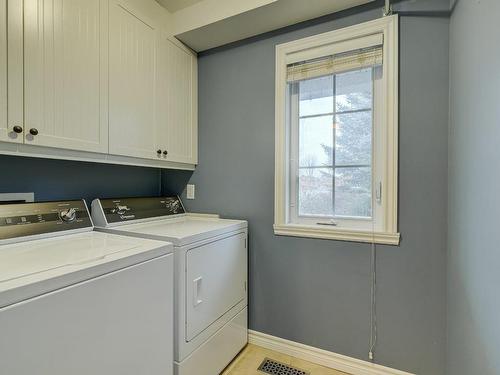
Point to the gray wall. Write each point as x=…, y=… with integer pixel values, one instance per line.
x=474, y=186
x=61, y=179
x=317, y=292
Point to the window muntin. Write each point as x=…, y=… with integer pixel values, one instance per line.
x=331, y=119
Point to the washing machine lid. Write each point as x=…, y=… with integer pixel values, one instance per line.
x=161, y=218
x=35, y=267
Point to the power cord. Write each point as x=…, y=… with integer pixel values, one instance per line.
x=373, y=307
x=373, y=311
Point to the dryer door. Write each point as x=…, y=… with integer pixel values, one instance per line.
x=216, y=275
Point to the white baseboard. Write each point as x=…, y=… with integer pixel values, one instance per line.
x=321, y=357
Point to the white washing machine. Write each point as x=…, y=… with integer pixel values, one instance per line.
x=210, y=275
x=75, y=301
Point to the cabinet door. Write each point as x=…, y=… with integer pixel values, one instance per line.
x=178, y=102
x=66, y=74
x=11, y=71
x=132, y=86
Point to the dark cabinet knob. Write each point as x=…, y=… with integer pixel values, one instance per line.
x=165, y=152
x=158, y=152
x=33, y=131
x=17, y=129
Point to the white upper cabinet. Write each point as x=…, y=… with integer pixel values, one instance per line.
x=177, y=102
x=132, y=83
x=66, y=74
x=96, y=80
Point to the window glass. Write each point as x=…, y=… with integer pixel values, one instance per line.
x=316, y=141
x=316, y=191
x=335, y=126
x=353, y=192
x=353, y=90
x=353, y=138
x=316, y=96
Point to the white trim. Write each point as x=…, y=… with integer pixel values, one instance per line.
x=387, y=229
x=327, y=233
x=94, y=157
x=321, y=357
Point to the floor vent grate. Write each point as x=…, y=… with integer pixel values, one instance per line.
x=272, y=367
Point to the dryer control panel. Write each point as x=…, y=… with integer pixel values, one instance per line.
x=126, y=209
x=28, y=219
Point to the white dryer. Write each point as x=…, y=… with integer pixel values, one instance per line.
x=75, y=301
x=210, y=275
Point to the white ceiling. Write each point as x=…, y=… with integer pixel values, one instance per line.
x=175, y=5
x=276, y=14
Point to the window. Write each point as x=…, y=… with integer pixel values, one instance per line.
x=331, y=121
x=336, y=135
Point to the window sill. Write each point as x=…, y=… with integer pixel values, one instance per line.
x=312, y=231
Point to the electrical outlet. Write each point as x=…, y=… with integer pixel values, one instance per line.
x=190, y=191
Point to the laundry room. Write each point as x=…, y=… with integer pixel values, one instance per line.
x=204, y=187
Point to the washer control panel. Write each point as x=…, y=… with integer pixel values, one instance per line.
x=27, y=219
x=126, y=209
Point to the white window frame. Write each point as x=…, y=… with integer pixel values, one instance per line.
x=383, y=228
x=377, y=170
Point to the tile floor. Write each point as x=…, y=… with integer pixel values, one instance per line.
x=252, y=356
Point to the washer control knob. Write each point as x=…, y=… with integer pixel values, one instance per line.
x=68, y=215
x=122, y=209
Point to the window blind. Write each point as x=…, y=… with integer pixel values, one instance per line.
x=337, y=63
